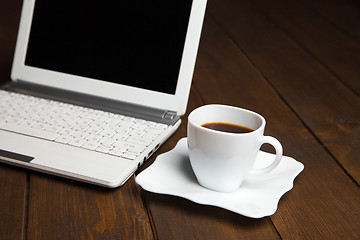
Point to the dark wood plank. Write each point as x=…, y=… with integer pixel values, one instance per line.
x=9, y=20
x=345, y=14
x=226, y=75
x=63, y=209
x=324, y=203
x=326, y=106
x=13, y=180
x=13, y=186
x=338, y=52
x=177, y=218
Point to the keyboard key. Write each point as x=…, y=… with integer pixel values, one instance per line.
x=151, y=136
x=93, y=137
x=126, y=123
x=40, y=125
x=53, y=128
x=66, y=131
x=63, y=139
x=107, y=133
x=117, y=152
x=154, y=130
x=79, y=134
x=121, y=136
x=91, y=145
x=12, y=119
x=130, y=146
x=102, y=149
x=107, y=140
x=139, y=140
x=160, y=126
x=78, y=126
x=139, y=126
x=128, y=156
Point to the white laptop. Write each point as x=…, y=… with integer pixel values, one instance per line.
x=110, y=71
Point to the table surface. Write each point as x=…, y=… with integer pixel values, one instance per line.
x=295, y=62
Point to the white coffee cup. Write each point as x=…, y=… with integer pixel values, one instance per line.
x=222, y=160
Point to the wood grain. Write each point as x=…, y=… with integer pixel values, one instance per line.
x=13, y=200
x=294, y=62
x=320, y=100
x=336, y=50
x=63, y=209
x=343, y=14
x=9, y=21
x=177, y=218
x=231, y=78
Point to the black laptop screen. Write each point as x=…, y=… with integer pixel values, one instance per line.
x=137, y=43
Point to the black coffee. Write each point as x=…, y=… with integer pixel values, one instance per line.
x=227, y=127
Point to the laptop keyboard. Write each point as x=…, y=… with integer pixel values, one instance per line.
x=82, y=127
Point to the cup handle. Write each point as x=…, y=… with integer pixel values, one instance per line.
x=279, y=151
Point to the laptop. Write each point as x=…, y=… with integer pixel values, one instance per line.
x=124, y=61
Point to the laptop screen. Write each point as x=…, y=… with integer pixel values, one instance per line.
x=135, y=43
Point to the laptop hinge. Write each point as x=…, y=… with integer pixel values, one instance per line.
x=129, y=109
x=169, y=115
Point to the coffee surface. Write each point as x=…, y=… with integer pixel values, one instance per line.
x=227, y=127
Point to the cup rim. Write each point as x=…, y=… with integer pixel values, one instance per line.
x=262, y=125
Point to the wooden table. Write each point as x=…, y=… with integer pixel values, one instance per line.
x=295, y=62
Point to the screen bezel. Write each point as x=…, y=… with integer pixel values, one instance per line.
x=176, y=103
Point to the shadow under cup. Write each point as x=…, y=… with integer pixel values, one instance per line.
x=222, y=160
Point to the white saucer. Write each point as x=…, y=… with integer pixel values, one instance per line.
x=171, y=174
